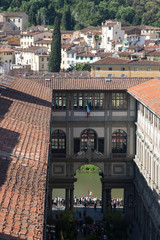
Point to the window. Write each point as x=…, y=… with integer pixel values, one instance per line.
x=108, y=39
x=122, y=69
x=78, y=101
x=119, y=101
x=109, y=28
x=81, y=58
x=59, y=101
x=97, y=68
x=42, y=59
x=150, y=117
x=88, y=136
x=47, y=59
x=19, y=20
x=13, y=20
x=58, y=141
x=119, y=141
x=110, y=68
x=149, y=69
x=91, y=58
x=136, y=69
x=72, y=55
x=95, y=99
x=42, y=65
x=8, y=20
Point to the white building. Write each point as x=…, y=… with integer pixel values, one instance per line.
x=28, y=39
x=111, y=30
x=147, y=158
x=29, y=57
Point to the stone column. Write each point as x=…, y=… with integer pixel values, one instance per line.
x=49, y=206
x=71, y=199
x=104, y=200
x=108, y=192
x=67, y=198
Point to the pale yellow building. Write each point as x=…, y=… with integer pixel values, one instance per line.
x=7, y=55
x=117, y=67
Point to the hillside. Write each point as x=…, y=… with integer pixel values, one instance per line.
x=83, y=13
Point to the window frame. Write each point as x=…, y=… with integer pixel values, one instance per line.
x=120, y=141
x=119, y=101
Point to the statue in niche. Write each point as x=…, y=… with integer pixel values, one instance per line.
x=89, y=154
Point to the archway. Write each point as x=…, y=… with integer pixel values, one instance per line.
x=88, y=192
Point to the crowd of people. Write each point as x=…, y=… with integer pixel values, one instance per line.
x=88, y=201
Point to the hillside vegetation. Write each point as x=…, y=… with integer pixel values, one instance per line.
x=77, y=14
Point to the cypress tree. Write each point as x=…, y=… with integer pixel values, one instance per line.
x=55, y=54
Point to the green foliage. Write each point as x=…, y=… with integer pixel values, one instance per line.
x=55, y=55
x=82, y=67
x=65, y=226
x=89, y=168
x=66, y=22
x=84, y=13
x=116, y=225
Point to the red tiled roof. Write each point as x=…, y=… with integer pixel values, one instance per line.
x=85, y=83
x=6, y=50
x=25, y=108
x=12, y=14
x=45, y=41
x=149, y=94
x=111, y=60
x=120, y=61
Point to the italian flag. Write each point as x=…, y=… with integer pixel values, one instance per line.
x=90, y=193
x=88, y=109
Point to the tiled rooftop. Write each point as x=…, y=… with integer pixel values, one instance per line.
x=25, y=108
x=149, y=94
x=12, y=14
x=84, y=83
x=120, y=61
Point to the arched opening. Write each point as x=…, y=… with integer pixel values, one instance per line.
x=88, y=192
x=59, y=143
x=88, y=134
x=119, y=141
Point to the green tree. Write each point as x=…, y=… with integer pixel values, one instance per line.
x=66, y=23
x=82, y=67
x=55, y=55
x=66, y=226
x=126, y=13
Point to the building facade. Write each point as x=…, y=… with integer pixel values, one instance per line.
x=19, y=21
x=106, y=138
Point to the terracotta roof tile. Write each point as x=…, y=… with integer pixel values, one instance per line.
x=120, y=61
x=149, y=94
x=25, y=108
x=85, y=83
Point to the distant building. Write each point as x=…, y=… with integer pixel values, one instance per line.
x=18, y=20
x=111, y=30
x=117, y=67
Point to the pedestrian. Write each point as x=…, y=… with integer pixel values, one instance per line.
x=95, y=206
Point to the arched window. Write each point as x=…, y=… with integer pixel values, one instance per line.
x=88, y=134
x=119, y=141
x=58, y=141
